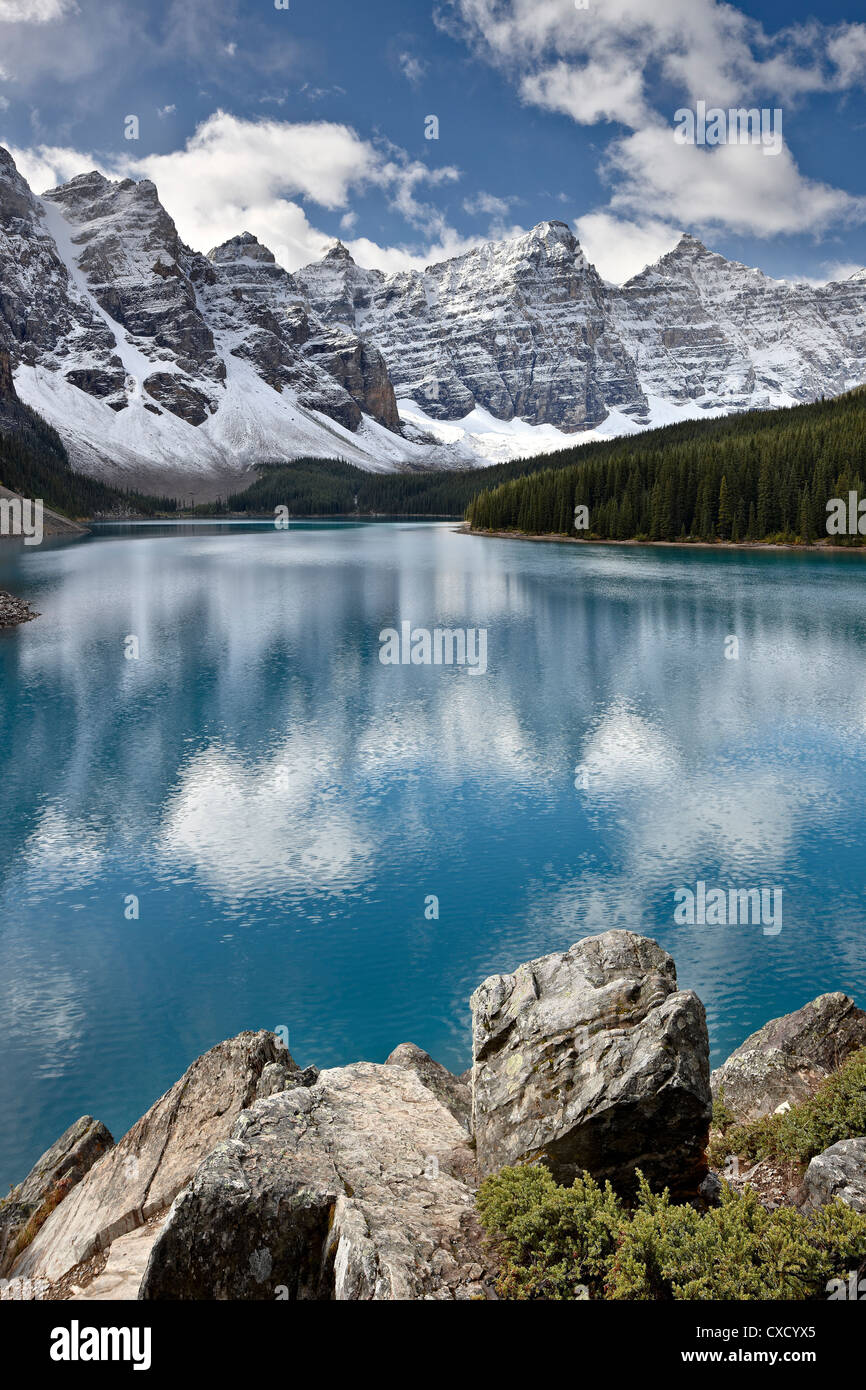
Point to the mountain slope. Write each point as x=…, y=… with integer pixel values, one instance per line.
x=173, y=371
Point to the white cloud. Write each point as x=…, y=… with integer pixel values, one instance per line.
x=235, y=175
x=48, y=165
x=603, y=65
x=619, y=248
x=737, y=187
x=488, y=204
x=412, y=68
x=164, y=111
x=841, y=270
x=35, y=11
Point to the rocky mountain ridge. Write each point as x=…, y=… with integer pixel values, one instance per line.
x=155, y=361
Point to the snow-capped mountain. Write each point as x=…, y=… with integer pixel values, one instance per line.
x=163, y=367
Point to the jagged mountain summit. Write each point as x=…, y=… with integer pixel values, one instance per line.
x=161, y=366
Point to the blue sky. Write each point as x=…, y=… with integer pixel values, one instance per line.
x=307, y=123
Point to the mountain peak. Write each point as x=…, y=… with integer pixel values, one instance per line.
x=93, y=179
x=242, y=247
x=689, y=243
x=339, y=252
x=553, y=230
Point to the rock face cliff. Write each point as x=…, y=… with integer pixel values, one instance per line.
x=521, y=328
x=148, y=355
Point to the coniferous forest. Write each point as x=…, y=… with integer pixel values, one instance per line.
x=762, y=476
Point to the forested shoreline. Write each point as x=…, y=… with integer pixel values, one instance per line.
x=761, y=477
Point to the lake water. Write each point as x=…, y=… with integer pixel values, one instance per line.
x=282, y=804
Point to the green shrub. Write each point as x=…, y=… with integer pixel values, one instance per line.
x=552, y=1240
x=836, y=1111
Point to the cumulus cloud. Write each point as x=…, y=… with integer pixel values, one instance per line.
x=603, y=65
x=735, y=187
x=620, y=248
x=235, y=174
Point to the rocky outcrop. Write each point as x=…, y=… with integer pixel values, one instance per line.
x=520, y=327
x=260, y=315
x=839, y=1171
x=454, y=1092
x=787, y=1059
x=252, y=1179
x=360, y=1187
x=52, y=1178
x=143, y=1173
x=137, y=270
x=14, y=611
x=593, y=1059
x=7, y=384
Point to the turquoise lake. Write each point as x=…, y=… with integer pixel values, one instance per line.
x=282, y=804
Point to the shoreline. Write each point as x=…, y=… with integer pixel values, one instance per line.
x=814, y=549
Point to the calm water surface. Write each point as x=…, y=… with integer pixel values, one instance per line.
x=282, y=804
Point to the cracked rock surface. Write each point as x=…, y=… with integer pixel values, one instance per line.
x=593, y=1059
x=359, y=1187
x=143, y=1173
x=787, y=1059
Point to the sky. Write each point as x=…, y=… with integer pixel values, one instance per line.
x=306, y=120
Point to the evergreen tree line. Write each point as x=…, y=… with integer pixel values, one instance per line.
x=326, y=487
x=762, y=476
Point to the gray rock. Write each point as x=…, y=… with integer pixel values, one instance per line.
x=360, y=1187
x=50, y=1180
x=839, y=1171
x=121, y=1278
x=592, y=1059
x=787, y=1059
x=142, y=1175
x=455, y=1092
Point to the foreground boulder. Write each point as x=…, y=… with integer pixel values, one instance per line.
x=839, y=1171
x=359, y=1187
x=455, y=1092
x=787, y=1060
x=141, y=1176
x=29, y=1205
x=593, y=1059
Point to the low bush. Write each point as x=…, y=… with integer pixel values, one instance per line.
x=581, y=1241
x=836, y=1111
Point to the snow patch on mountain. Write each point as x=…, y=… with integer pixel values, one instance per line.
x=163, y=367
